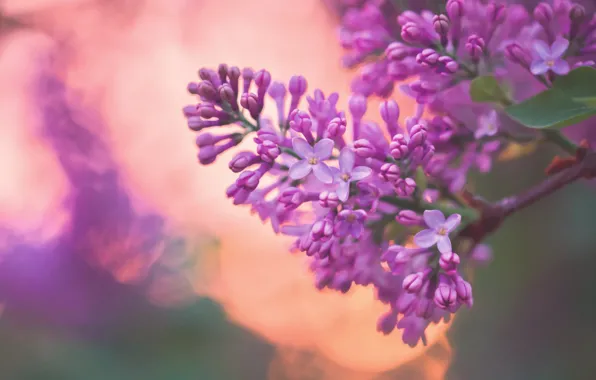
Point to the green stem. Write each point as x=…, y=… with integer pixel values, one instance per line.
x=291, y=153
x=557, y=138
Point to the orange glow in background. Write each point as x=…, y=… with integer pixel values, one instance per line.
x=133, y=62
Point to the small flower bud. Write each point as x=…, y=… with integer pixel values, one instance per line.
x=409, y=218
x=357, y=105
x=389, y=172
x=291, y=198
x=413, y=282
x=543, y=13
x=449, y=261
x=250, y=102
x=398, y=148
x=445, y=296
x=328, y=199
x=242, y=160
x=411, y=33
x=322, y=229
x=298, y=85
x=405, y=187
x=336, y=127
x=455, y=9
x=364, y=148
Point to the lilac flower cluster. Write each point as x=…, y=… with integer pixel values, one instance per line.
x=348, y=201
x=440, y=53
x=383, y=205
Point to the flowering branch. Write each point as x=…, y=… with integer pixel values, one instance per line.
x=353, y=201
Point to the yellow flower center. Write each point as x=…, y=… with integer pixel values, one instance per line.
x=345, y=177
x=550, y=63
x=313, y=160
x=442, y=231
x=351, y=218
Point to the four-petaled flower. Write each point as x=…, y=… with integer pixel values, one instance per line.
x=312, y=159
x=488, y=125
x=550, y=57
x=350, y=222
x=348, y=173
x=438, y=231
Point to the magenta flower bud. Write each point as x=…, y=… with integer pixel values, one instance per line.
x=396, y=51
x=389, y=172
x=455, y=9
x=544, y=14
x=418, y=136
x=222, y=70
x=389, y=110
x=413, y=282
x=227, y=94
x=427, y=154
x=209, y=76
x=464, y=291
x=409, y=218
x=322, y=229
x=208, y=154
x=233, y=76
x=411, y=33
x=291, y=198
x=428, y=58
x=298, y=85
x=193, y=88
x=248, y=180
x=357, y=105
x=300, y=121
x=328, y=199
x=336, y=127
x=247, y=76
x=277, y=91
x=242, y=161
x=449, y=261
x=190, y=110
x=518, y=55
x=250, y=102
x=447, y=65
x=206, y=139
x=262, y=78
x=441, y=24
x=207, y=91
x=239, y=194
x=398, y=148
x=405, y=187
x=445, y=296
x=268, y=151
x=577, y=13
x=475, y=47
x=364, y=148
x=387, y=322
x=496, y=12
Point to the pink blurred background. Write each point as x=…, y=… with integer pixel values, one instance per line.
x=130, y=61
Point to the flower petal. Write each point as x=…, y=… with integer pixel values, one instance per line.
x=343, y=191
x=323, y=173
x=452, y=222
x=539, y=67
x=542, y=49
x=342, y=228
x=300, y=169
x=302, y=147
x=444, y=244
x=360, y=172
x=561, y=67
x=346, y=160
x=356, y=230
x=426, y=238
x=433, y=218
x=559, y=47
x=323, y=149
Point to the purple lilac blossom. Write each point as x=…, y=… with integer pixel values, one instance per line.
x=550, y=58
x=339, y=215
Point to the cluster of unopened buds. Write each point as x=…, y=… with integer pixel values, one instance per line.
x=379, y=205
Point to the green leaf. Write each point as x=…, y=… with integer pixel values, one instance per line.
x=589, y=101
x=486, y=89
x=421, y=180
x=571, y=100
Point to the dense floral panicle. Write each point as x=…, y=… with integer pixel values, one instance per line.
x=336, y=195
